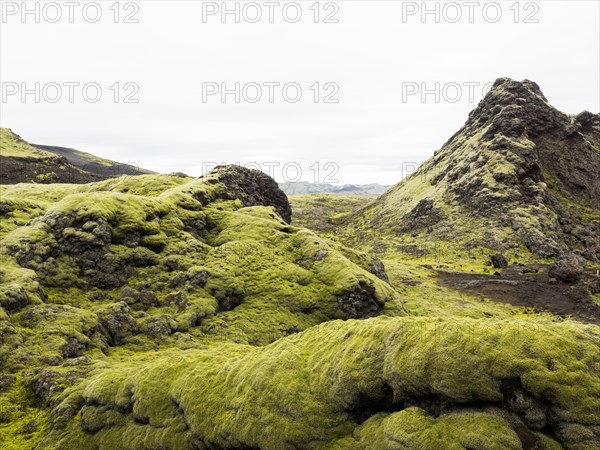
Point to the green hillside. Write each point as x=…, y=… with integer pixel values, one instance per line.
x=519, y=177
x=20, y=162
x=13, y=146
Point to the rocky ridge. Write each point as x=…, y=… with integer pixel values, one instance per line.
x=518, y=168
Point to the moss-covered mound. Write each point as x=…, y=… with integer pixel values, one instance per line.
x=252, y=187
x=133, y=264
x=379, y=383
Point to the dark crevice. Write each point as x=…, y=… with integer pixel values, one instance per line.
x=366, y=406
x=141, y=420
x=515, y=400
x=528, y=439
x=181, y=412
x=432, y=404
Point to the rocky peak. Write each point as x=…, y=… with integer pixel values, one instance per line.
x=508, y=91
x=526, y=171
x=515, y=109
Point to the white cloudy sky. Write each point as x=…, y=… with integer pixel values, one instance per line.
x=371, y=53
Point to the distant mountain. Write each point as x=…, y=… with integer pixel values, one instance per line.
x=304, y=187
x=94, y=164
x=22, y=162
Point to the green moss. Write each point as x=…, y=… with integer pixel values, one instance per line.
x=414, y=428
x=305, y=390
x=13, y=145
x=200, y=269
x=160, y=313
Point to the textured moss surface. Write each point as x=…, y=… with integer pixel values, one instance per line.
x=401, y=382
x=97, y=273
x=159, y=312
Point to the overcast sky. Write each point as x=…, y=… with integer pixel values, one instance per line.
x=373, y=57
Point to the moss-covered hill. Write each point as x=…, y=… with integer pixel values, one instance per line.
x=164, y=312
x=20, y=162
x=519, y=177
x=100, y=272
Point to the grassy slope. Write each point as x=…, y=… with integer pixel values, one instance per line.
x=461, y=239
x=11, y=145
x=21, y=162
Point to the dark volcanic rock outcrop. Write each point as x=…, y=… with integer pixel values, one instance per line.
x=568, y=269
x=252, y=187
x=499, y=261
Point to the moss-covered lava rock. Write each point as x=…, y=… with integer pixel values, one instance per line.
x=379, y=383
x=134, y=264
